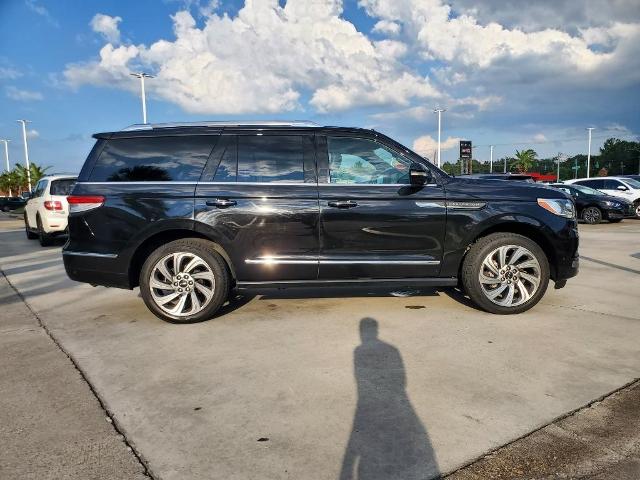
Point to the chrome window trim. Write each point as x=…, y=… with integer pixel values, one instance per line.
x=271, y=184
x=91, y=254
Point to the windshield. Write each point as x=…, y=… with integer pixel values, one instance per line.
x=632, y=183
x=587, y=190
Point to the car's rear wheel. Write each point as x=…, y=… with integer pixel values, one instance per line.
x=505, y=273
x=592, y=215
x=184, y=281
x=27, y=230
x=43, y=237
x=637, y=207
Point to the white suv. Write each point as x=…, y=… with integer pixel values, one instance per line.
x=45, y=214
x=621, y=187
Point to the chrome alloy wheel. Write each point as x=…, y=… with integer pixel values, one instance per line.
x=182, y=284
x=510, y=275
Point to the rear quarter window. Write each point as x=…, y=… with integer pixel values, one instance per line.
x=178, y=158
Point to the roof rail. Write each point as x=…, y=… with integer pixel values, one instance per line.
x=249, y=123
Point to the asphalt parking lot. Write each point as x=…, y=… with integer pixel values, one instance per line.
x=316, y=384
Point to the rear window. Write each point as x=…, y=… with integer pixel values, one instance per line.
x=270, y=159
x=180, y=158
x=62, y=187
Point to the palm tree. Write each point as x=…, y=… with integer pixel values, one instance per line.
x=36, y=171
x=9, y=182
x=525, y=159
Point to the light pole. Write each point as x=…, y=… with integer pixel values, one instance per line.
x=6, y=157
x=561, y=158
x=491, y=159
x=439, y=112
x=143, y=96
x=26, y=150
x=589, y=153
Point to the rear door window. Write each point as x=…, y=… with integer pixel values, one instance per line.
x=62, y=187
x=270, y=158
x=597, y=184
x=145, y=159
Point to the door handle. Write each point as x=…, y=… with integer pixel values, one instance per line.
x=342, y=203
x=220, y=203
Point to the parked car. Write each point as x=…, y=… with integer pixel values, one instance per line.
x=189, y=211
x=622, y=187
x=632, y=177
x=45, y=214
x=501, y=176
x=8, y=204
x=593, y=206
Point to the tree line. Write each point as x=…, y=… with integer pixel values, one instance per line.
x=16, y=181
x=616, y=157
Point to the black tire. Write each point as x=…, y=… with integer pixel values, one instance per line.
x=592, y=215
x=615, y=220
x=43, y=237
x=214, y=261
x=27, y=230
x=474, y=259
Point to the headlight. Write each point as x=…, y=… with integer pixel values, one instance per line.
x=558, y=206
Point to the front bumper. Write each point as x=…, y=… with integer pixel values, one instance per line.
x=619, y=213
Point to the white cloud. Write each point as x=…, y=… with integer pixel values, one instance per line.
x=19, y=95
x=9, y=73
x=38, y=9
x=460, y=38
x=107, y=26
x=387, y=27
x=539, y=137
x=427, y=146
x=33, y=133
x=264, y=60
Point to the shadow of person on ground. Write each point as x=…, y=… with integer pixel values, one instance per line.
x=388, y=441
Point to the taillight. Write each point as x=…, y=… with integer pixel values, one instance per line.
x=53, y=205
x=82, y=203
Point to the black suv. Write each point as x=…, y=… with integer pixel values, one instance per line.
x=190, y=211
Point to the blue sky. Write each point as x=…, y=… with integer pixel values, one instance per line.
x=509, y=74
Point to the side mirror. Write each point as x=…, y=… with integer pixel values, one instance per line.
x=419, y=175
x=622, y=188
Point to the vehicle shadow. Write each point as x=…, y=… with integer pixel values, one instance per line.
x=388, y=441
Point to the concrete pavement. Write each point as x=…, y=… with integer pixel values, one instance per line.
x=269, y=389
x=51, y=424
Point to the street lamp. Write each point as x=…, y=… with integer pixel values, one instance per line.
x=560, y=158
x=589, y=152
x=142, y=76
x=439, y=112
x=6, y=157
x=26, y=150
x=491, y=159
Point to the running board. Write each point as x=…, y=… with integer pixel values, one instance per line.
x=382, y=282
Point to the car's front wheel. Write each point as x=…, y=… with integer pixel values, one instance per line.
x=592, y=215
x=184, y=281
x=505, y=273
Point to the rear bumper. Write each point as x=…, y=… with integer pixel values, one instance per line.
x=94, y=268
x=53, y=224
